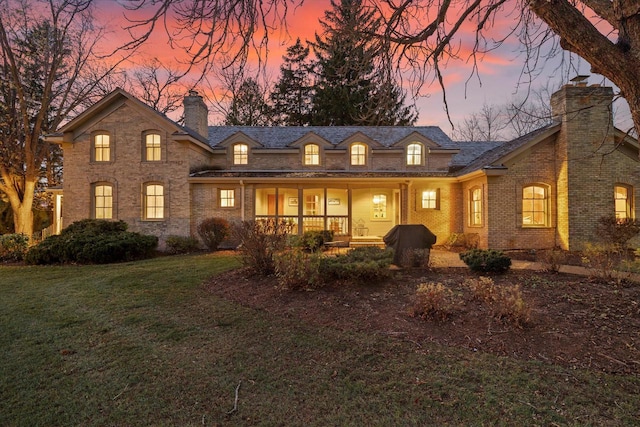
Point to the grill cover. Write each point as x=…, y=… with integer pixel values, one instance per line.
x=408, y=236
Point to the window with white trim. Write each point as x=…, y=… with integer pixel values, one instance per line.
x=414, y=154
x=535, y=206
x=475, y=207
x=103, y=201
x=101, y=148
x=358, y=152
x=240, y=154
x=227, y=198
x=153, y=201
x=311, y=154
x=622, y=199
x=429, y=199
x=153, y=149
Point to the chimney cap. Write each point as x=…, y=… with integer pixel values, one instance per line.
x=580, y=80
x=193, y=92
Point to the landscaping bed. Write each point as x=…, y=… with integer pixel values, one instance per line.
x=575, y=321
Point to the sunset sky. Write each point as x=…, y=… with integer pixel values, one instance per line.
x=499, y=71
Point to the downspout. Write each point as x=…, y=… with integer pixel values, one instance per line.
x=242, y=204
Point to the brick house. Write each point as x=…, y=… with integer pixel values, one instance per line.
x=123, y=160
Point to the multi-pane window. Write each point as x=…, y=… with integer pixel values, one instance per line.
x=311, y=154
x=358, y=154
x=153, y=151
x=103, y=201
x=622, y=200
x=379, y=206
x=430, y=199
x=227, y=198
x=154, y=201
x=414, y=154
x=101, y=148
x=535, y=210
x=240, y=154
x=475, y=207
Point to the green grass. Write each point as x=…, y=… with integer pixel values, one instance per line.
x=144, y=344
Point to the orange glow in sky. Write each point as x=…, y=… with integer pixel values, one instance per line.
x=499, y=70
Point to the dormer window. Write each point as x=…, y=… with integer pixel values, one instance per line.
x=101, y=148
x=358, y=154
x=414, y=154
x=240, y=154
x=311, y=154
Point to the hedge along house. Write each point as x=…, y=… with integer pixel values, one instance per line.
x=125, y=161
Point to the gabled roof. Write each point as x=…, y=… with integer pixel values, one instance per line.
x=285, y=136
x=494, y=157
x=121, y=95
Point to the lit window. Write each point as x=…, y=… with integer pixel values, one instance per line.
x=475, y=207
x=358, y=154
x=622, y=195
x=103, y=201
x=535, y=211
x=152, y=147
x=102, y=148
x=311, y=154
x=240, y=154
x=414, y=154
x=154, y=201
x=379, y=206
x=227, y=198
x=430, y=199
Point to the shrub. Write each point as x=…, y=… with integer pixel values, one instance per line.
x=260, y=241
x=314, y=240
x=617, y=231
x=554, y=259
x=296, y=269
x=504, y=302
x=13, y=247
x=433, y=300
x=602, y=260
x=213, y=231
x=482, y=288
x=359, y=265
x=92, y=242
x=181, y=244
x=508, y=304
x=486, y=260
x=415, y=257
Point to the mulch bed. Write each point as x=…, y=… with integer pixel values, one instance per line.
x=575, y=321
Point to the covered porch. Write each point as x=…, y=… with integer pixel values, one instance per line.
x=351, y=212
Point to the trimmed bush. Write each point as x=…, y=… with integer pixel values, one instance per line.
x=182, y=244
x=13, y=247
x=92, y=241
x=359, y=265
x=296, y=269
x=486, y=260
x=213, y=231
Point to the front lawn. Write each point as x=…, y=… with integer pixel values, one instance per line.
x=147, y=343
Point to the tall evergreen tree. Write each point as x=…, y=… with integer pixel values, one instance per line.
x=248, y=106
x=350, y=89
x=291, y=98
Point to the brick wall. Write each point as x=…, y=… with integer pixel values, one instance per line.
x=127, y=172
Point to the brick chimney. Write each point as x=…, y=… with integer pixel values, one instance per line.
x=584, y=190
x=196, y=114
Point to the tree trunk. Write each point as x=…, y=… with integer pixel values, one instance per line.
x=22, y=208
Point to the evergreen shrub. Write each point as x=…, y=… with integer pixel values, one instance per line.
x=486, y=260
x=13, y=247
x=181, y=244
